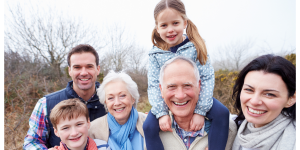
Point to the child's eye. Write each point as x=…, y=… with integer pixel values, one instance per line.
x=79, y=124
x=65, y=128
x=163, y=25
x=176, y=23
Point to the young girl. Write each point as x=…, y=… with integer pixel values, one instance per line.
x=169, y=41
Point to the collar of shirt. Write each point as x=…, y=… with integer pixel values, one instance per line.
x=90, y=100
x=85, y=148
x=183, y=134
x=175, y=48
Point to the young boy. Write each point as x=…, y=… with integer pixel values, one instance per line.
x=70, y=119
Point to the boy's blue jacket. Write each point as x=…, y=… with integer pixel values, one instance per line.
x=157, y=59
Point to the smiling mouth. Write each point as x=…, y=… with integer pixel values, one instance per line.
x=256, y=111
x=181, y=104
x=171, y=36
x=75, y=139
x=83, y=79
x=120, y=109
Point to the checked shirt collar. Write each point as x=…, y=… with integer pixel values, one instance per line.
x=187, y=136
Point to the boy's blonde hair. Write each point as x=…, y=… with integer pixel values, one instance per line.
x=191, y=30
x=68, y=109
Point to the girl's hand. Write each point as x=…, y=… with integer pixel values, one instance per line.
x=197, y=122
x=165, y=123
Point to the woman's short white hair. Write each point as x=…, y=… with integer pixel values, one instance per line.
x=162, y=70
x=121, y=76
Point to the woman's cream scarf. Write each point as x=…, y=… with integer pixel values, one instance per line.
x=280, y=134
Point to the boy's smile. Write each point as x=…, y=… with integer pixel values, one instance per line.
x=73, y=132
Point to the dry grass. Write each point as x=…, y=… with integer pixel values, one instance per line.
x=143, y=105
x=16, y=125
x=224, y=82
x=21, y=94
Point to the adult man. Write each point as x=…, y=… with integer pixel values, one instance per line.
x=83, y=63
x=180, y=89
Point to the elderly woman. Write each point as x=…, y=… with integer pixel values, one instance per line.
x=122, y=126
x=265, y=94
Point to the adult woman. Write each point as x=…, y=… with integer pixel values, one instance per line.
x=265, y=94
x=122, y=126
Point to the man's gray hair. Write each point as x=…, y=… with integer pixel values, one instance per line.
x=121, y=76
x=162, y=70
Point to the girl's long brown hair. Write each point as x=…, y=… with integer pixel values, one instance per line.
x=191, y=30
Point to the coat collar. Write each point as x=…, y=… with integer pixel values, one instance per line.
x=158, y=50
x=70, y=91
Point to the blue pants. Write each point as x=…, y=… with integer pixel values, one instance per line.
x=217, y=135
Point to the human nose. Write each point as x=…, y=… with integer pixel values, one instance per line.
x=180, y=94
x=117, y=101
x=74, y=132
x=256, y=100
x=170, y=29
x=83, y=71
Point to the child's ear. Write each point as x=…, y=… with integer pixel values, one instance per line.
x=156, y=28
x=89, y=123
x=185, y=24
x=56, y=132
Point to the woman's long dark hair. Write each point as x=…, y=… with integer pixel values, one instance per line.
x=269, y=64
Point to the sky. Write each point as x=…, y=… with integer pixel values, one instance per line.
x=269, y=24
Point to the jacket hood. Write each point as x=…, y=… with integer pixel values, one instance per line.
x=155, y=49
x=158, y=50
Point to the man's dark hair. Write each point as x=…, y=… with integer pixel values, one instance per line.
x=81, y=49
